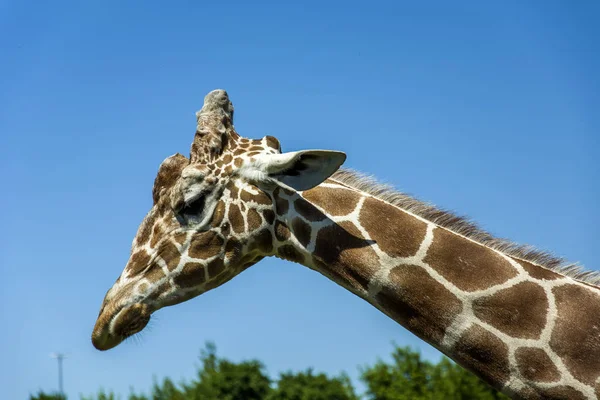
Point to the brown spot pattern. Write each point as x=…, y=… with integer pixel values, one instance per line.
x=218, y=214
x=281, y=205
x=535, y=365
x=254, y=219
x=238, y=162
x=538, y=272
x=145, y=230
x=554, y=393
x=349, y=278
x=308, y=211
x=290, y=253
x=466, y=264
x=269, y=216
x=249, y=260
x=336, y=202
x=282, y=232
x=137, y=262
x=205, y=245
x=260, y=198
x=215, y=267
x=576, y=334
x=418, y=302
x=396, y=232
x=154, y=273
x=507, y=311
x=302, y=231
x=527, y=393
x=233, y=190
x=245, y=195
x=563, y=393
x=157, y=232
x=236, y=219
x=170, y=254
x=225, y=228
x=263, y=242
x=272, y=142
x=344, y=253
x=159, y=291
x=484, y=354
x=180, y=238
x=233, y=250
x=167, y=175
x=192, y=274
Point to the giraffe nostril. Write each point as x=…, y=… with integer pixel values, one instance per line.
x=131, y=320
x=135, y=326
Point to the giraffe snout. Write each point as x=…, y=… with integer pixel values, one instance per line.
x=101, y=338
x=112, y=328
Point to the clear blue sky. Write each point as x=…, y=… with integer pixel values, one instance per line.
x=491, y=109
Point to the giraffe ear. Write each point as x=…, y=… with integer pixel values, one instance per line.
x=168, y=172
x=301, y=170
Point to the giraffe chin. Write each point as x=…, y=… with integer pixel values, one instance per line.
x=111, y=330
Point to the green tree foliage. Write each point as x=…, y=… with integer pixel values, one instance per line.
x=165, y=391
x=134, y=396
x=221, y=379
x=310, y=386
x=47, y=396
x=409, y=377
x=102, y=395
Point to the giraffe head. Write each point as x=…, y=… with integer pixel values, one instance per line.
x=213, y=216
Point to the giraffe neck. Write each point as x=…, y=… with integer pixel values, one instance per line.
x=524, y=329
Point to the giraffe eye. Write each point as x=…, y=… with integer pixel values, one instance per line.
x=193, y=208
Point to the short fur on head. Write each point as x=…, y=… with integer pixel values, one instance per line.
x=211, y=218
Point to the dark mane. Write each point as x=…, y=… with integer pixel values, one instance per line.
x=463, y=226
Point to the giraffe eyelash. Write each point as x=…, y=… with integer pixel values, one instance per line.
x=194, y=207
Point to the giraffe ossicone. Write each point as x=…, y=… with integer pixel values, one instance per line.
x=512, y=316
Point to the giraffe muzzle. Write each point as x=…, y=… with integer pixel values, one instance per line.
x=110, y=330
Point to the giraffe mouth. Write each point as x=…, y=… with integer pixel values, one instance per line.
x=112, y=330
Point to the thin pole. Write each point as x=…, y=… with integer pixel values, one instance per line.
x=60, y=357
x=60, y=374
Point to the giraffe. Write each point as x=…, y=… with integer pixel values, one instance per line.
x=518, y=318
